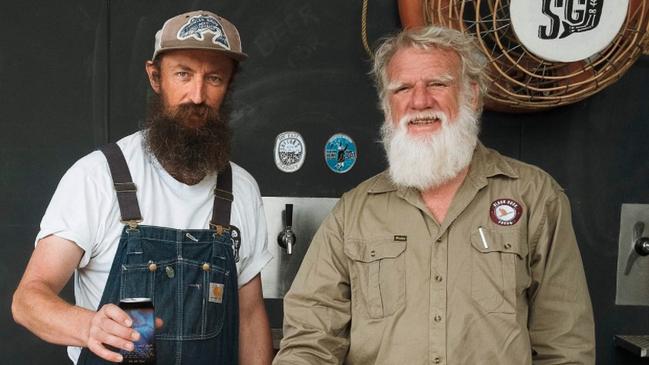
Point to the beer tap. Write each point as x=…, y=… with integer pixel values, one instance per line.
x=640, y=246
x=286, y=238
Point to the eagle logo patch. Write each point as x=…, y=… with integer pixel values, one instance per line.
x=505, y=212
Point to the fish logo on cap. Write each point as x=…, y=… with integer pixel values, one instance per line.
x=197, y=26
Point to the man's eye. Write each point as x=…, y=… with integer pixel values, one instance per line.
x=182, y=75
x=401, y=89
x=214, y=79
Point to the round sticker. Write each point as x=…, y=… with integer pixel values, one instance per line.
x=290, y=151
x=567, y=30
x=340, y=153
x=505, y=212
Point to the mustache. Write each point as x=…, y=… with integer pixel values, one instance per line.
x=423, y=116
x=188, y=110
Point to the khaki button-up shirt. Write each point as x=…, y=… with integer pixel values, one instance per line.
x=499, y=281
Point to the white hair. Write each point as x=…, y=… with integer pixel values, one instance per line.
x=432, y=37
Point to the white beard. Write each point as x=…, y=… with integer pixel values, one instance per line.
x=425, y=162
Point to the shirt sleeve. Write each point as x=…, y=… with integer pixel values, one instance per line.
x=561, y=324
x=253, y=253
x=317, y=308
x=80, y=206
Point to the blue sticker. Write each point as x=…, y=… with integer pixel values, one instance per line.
x=340, y=153
x=198, y=25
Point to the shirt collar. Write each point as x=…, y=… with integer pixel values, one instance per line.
x=489, y=163
x=485, y=163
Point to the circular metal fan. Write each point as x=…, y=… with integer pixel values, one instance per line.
x=522, y=81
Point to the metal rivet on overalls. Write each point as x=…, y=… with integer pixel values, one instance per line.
x=170, y=272
x=507, y=246
x=206, y=267
x=152, y=267
x=372, y=253
x=437, y=318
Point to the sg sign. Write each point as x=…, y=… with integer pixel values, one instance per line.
x=567, y=30
x=577, y=16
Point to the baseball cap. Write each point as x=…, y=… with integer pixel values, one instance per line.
x=199, y=30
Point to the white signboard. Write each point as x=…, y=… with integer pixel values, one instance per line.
x=567, y=30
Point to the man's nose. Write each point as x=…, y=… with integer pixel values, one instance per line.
x=421, y=97
x=197, y=91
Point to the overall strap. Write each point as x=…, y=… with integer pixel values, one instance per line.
x=222, y=200
x=124, y=186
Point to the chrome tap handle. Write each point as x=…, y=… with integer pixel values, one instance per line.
x=286, y=238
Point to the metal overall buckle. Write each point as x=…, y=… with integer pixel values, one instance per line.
x=132, y=223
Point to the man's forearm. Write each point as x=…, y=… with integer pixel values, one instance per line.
x=255, y=344
x=43, y=312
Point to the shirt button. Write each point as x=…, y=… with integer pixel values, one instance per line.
x=439, y=240
x=372, y=253
x=437, y=318
x=152, y=266
x=507, y=246
x=437, y=360
x=438, y=278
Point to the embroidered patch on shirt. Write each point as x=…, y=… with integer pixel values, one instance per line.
x=216, y=292
x=505, y=212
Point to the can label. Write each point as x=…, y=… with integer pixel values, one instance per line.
x=142, y=314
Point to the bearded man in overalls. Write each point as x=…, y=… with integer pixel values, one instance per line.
x=161, y=214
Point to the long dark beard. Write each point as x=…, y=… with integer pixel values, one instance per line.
x=187, y=153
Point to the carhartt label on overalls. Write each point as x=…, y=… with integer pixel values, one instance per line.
x=216, y=292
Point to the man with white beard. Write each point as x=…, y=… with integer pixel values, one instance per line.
x=456, y=254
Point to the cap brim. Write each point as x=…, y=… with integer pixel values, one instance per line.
x=237, y=56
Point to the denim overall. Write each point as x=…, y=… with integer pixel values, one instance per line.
x=190, y=275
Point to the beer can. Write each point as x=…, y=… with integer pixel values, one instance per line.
x=141, y=312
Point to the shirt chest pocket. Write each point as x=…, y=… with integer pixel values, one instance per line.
x=378, y=275
x=498, y=269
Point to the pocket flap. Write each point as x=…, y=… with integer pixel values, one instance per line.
x=507, y=241
x=372, y=250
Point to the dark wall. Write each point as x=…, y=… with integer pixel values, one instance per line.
x=72, y=78
x=52, y=87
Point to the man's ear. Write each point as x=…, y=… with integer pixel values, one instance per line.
x=153, y=71
x=475, y=93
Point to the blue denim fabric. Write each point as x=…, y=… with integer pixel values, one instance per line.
x=175, y=268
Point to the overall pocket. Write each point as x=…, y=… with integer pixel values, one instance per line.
x=494, y=273
x=379, y=274
x=137, y=281
x=188, y=293
x=204, y=299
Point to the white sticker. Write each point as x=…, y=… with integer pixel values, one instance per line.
x=290, y=151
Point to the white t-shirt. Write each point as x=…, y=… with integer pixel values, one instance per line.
x=84, y=210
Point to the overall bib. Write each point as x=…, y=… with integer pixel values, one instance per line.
x=190, y=275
